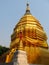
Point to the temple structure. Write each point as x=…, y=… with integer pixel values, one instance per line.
x=29, y=36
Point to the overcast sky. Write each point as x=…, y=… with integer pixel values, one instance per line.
x=12, y=10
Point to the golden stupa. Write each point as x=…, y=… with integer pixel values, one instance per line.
x=28, y=35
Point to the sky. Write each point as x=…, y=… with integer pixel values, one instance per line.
x=12, y=10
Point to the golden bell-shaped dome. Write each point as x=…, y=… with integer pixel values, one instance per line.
x=31, y=29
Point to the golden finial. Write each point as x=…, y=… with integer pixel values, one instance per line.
x=27, y=9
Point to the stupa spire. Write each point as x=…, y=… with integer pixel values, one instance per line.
x=27, y=9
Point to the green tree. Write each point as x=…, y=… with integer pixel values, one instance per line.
x=3, y=50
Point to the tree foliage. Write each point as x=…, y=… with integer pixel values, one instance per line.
x=3, y=50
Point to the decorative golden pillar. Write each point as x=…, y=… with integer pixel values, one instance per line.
x=7, y=59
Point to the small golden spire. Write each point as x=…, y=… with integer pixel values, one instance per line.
x=27, y=9
x=28, y=6
x=20, y=45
